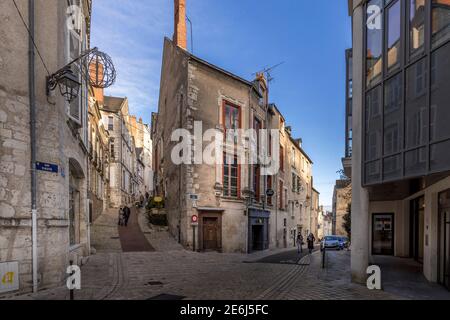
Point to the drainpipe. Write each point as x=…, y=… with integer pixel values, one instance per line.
x=32, y=96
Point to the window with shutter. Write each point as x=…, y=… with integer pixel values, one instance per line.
x=77, y=43
x=74, y=43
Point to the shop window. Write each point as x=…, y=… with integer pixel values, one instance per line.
x=383, y=234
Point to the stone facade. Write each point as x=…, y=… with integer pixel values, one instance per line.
x=62, y=206
x=115, y=113
x=98, y=159
x=193, y=91
x=342, y=198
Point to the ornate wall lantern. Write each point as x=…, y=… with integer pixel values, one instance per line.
x=69, y=84
x=95, y=62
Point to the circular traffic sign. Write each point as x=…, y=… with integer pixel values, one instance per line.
x=194, y=219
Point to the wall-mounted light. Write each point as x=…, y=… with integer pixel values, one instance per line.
x=99, y=70
x=69, y=84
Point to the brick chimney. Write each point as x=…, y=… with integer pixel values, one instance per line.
x=180, y=36
x=97, y=75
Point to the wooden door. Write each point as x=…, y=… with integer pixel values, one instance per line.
x=210, y=234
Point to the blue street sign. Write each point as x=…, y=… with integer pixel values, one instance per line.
x=47, y=167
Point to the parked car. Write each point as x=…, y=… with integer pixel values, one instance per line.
x=330, y=242
x=343, y=243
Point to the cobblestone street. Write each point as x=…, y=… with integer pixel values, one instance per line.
x=171, y=270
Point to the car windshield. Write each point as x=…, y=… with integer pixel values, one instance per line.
x=331, y=238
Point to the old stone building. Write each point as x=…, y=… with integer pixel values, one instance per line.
x=142, y=137
x=315, y=211
x=325, y=223
x=342, y=198
x=98, y=157
x=293, y=185
x=228, y=195
x=115, y=114
x=36, y=122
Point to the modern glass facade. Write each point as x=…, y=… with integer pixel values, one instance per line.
x=407, y=96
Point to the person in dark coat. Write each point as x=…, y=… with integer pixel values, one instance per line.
x=311, y=239
x=127, y=212
x=121, y=216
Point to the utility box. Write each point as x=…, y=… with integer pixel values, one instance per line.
x=9, y=276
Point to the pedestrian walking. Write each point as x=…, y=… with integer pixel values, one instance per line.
x=121, y=216
x=311, y=239
x=300, y=243
x=141, y=199
x=127, y=212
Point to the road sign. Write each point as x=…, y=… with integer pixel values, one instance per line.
x=47, y=167
x=270, y=192
x=194, y=219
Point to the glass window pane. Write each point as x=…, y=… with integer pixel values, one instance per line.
x=440, y=156
x=374, y=41
x=372, y=172
x=373, y=124
x=392, y=167
x=383, y=234
x=440, y=94
x=416, y=105
x=416, y=162
x=393, y=36
x=416, y=27
x=393, y=115
x=440, y=21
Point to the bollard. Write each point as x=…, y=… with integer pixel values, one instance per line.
x=72, y=297
x=323, y=257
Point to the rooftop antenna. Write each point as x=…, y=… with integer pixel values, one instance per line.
x=268, y=72
x=192, y=34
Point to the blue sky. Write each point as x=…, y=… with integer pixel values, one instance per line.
x=244, y=37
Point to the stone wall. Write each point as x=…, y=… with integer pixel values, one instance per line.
x=57, y=143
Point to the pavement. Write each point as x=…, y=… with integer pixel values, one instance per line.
x=132, y=238
x=171, y=272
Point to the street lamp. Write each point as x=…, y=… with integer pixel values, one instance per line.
x=69, y=84
x=97, y=63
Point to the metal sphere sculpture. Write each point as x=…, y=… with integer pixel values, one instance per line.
x=102, y=73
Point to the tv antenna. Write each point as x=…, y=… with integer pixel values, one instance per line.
x=268, y=72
